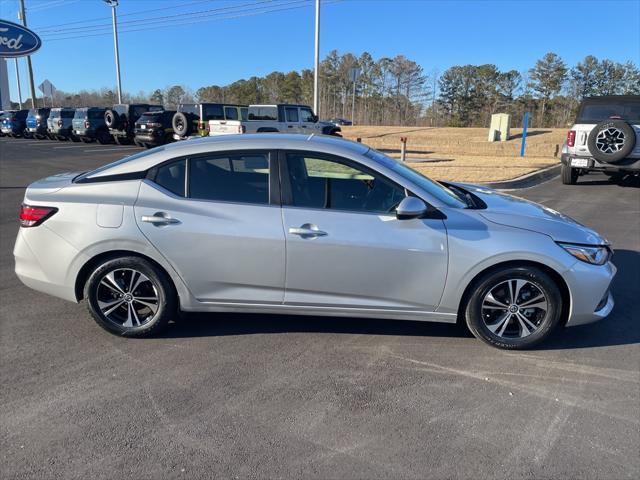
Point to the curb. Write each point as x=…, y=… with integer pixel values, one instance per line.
x=525, y=181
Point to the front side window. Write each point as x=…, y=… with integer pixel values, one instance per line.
x=244, y=111
x=337, y=184
x=242, y=178
x=306, y=115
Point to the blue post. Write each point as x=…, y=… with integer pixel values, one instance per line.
x=525, y=121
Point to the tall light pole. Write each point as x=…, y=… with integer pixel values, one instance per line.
x=316, y=69
x=32, y=86
x=18, y=82
x=113, y=4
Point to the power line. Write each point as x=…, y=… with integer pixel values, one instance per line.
x=139, y=12
x=151, y=20
x=209, y=18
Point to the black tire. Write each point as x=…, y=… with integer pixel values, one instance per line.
x=616, y=142
x=480, y=321
x=86, y=139
x=569, y=175
x=96, y=290
x=74, y=138
x=61, y=138
x=112, y=119
x=122, y=140
x=103, y=137
x=182, y=124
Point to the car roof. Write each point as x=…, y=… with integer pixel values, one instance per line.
x=259, y=141
x=608, y=98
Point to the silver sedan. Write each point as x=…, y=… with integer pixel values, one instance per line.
x=305, y=225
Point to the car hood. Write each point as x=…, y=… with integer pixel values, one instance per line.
x=517, y=212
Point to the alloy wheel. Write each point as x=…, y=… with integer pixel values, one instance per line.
x=514, y=308
x=127, y=297
x=610, y=140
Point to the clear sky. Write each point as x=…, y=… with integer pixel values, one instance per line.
x=233, y=39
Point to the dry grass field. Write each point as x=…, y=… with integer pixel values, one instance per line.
x=464, y=154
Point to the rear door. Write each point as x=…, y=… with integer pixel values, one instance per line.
x=292, y=119
x=216, y=218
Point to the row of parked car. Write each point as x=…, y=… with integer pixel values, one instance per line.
x=151, y=125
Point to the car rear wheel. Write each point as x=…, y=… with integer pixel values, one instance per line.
x=131, y=297
x=103, y=137
x=514, y=308
x=569, y=175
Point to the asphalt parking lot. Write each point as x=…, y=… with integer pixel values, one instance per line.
x=240, y=396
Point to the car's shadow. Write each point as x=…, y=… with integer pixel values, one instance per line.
x=620, y=328
x=626, y=181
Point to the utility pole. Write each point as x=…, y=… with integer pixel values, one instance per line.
x=32, y=86
x=316, y=69
x=18, y=82
x=113, y=4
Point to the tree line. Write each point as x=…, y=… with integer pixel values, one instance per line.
x=397, y=91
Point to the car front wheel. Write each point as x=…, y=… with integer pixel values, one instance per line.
x=514, y=308
x=131, y=297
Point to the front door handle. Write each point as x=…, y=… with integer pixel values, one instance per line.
x=160, y=218
x=308, y=230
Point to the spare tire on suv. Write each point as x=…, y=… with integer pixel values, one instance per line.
x=111, y=118
x=182, y=123
x=611, y=141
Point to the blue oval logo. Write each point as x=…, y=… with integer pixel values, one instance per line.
x=16, y=40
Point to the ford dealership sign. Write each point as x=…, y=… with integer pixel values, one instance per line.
x=16, y=40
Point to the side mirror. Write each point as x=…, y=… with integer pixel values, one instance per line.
x=411, y=207
x=315, y=118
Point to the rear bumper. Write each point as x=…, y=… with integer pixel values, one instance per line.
x=591, y=299
x=624, y=165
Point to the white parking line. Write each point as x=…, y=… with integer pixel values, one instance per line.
x=112, y=149
x=69, y=146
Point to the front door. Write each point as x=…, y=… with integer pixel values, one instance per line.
x=344, y=245
x=214, y=219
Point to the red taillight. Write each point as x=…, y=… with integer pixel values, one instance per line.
x=60, y=122
x=87, y=124
x=571, y=138
x=34, y=216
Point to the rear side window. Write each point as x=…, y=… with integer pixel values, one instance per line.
x=292, y=114
x=245, y=113
x=263, y=113
x=172, y=177
x=68, y=113
x=231, y=113
x=213, y=112
x=240, y=178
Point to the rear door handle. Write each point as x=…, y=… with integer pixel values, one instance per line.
x=160, y=218
x=307, y=230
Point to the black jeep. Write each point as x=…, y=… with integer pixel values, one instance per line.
x=154, y=128
x=121, y=119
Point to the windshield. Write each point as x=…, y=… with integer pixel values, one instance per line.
x=118, y=162
x=435, y=189
x=594, y=112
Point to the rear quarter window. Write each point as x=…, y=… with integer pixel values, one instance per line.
x=263, y=113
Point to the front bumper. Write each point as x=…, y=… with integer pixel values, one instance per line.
x=589, y=291
x=624, y=165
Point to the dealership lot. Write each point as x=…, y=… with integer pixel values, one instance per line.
x=265, y=396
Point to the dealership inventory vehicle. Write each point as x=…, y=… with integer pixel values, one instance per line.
x=88, y=125
x=604, y=138
x=5, y=114
x=192, y=119
x=154, y=128
x=121, y=119
x=284, y=118
x=14, y=123
x=59, y=124
x=37, y=123
x=305, y=224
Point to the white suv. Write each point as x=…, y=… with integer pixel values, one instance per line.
x=605, y=138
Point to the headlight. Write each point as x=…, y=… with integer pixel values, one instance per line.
x=594, y=254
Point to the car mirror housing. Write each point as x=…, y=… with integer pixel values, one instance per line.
x=411, y=207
